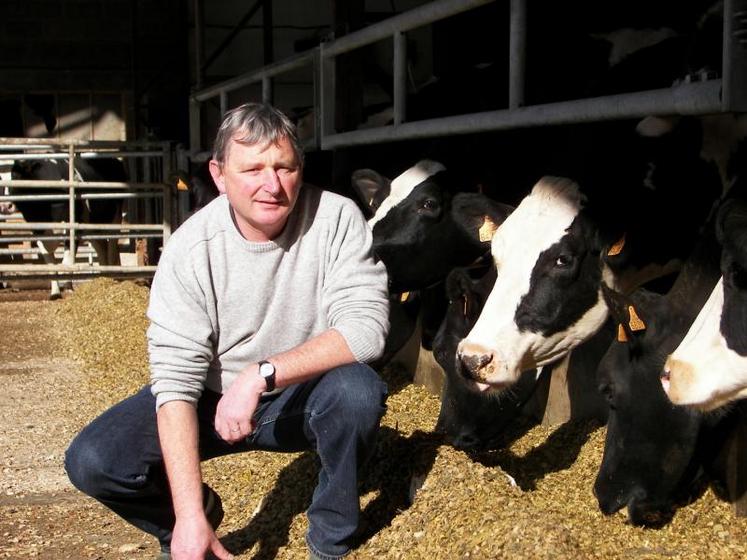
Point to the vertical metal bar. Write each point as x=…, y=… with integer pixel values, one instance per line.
x=267, y=93
x=400, y=78
x=195, y=134
x=199, y=42
x=734, y=69
x=327, y=93
x=517, y=53
x=316, y=70
x=71, y=192
x=223, y=103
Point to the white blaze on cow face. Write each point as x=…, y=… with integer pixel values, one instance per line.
x=538, y=223
x=703, y=371
x=404, y=184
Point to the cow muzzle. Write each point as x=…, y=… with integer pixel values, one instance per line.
x=482, y=366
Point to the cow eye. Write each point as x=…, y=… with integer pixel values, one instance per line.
x=563, y=261
x=428, y=204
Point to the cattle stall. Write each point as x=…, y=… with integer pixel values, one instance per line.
x=708, y=93
x=144, y=221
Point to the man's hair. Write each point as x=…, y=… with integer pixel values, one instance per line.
x=255, y=123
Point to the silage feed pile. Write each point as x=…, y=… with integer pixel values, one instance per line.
x=532, y=499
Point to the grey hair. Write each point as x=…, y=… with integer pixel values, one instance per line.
x=255, y=123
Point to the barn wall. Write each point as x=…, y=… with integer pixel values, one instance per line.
x=97, y=49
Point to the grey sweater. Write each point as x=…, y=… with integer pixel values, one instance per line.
x=219, y=302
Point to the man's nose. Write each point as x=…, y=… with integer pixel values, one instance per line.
x=272, y=182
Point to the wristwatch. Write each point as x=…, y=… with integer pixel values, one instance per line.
x=267, y=370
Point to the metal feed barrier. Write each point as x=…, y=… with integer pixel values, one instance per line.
x=149, y=209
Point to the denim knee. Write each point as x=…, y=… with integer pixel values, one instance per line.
x=85, y=466
x=356, y=394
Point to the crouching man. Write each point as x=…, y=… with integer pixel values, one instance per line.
x=265, y=307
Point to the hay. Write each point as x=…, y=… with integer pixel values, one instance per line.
x=532, y=499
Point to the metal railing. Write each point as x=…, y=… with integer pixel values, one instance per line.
x=149, y=200
x=728, y=94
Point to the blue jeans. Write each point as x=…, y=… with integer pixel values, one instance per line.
x=117, y=458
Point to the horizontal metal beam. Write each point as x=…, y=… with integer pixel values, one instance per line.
x=686, y=99
x=83, y=155
x=291, y=63
x=78, y=184
x=26, y=226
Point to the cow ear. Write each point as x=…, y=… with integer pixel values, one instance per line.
x=628, y=318
x=371, y=188
x=478, y=215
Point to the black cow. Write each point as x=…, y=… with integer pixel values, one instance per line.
x=94, y=211
x=468, y=418
x=654, y=451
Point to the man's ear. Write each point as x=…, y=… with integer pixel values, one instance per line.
x=216, y=172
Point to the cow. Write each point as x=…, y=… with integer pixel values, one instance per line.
x=655, y=453
x=709, y=368
x=468, y=418
x=96, y=211
x=562, y=244
x=423, y=227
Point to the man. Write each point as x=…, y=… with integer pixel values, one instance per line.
x=263, y=311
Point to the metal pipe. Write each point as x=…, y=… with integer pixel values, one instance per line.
x=83, y=155
x=400, y=78
x=517, y=53
x=77, y=184
x=230, y=37
x=291, y=63
x=25, y=226
x=686, y=99
x=79, y=196
x=417, y=17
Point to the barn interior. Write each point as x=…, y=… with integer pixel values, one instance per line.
x=489, y=87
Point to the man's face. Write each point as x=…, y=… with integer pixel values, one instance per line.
x=262, y=183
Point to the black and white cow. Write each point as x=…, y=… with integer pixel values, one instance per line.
x=709, y=367
x=654, y=452
x=423, y=227
x=559, y=247
x=95, y=211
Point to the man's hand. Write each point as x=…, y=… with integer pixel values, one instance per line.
x=233, y=416
x=193, y=538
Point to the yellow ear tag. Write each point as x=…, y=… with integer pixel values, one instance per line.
x=617, y=248
x=487, y=230
x=621, y=336
x=635, y=323
x=181, y=185
x=403, y=297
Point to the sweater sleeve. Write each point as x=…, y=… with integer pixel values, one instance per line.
x=355, y=288
x=180, y=334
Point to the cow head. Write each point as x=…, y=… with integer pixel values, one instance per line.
x=709, y=368
x=547, y=297
x=653, y=451
x=470, y=419
x=423, y=227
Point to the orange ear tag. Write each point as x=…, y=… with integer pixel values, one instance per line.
x=181, y=185
x=617, y=248
x=487, y=230
x=403, y=296
x=621, y=336
x=635, y=323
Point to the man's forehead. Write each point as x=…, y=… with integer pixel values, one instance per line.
x=258, y=149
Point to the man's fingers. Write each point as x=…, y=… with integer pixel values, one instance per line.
x=219, y=551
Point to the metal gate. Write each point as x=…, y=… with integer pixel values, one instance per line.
x=148, y=217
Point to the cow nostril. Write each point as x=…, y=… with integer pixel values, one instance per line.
x=473, y=363
x=664, y=375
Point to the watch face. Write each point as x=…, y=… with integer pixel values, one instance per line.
x=266, y=369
